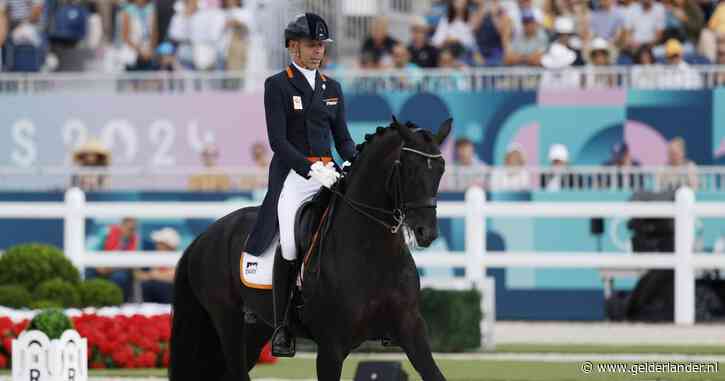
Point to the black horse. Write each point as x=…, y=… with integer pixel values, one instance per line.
x=362, y=284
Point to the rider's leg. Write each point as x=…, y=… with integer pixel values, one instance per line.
x=295, y=191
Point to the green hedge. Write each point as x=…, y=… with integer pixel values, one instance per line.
x=453, y=319
x=14, y=296
x=39, y=276
x=31, y=264
x=100, y=293
x=52, y=322
x=63, y=293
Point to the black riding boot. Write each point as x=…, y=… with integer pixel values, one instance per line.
x=283, y=343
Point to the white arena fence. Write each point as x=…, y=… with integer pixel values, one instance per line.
x=475, y=258
x=652, y=77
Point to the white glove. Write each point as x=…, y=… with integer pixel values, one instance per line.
x=324, y=174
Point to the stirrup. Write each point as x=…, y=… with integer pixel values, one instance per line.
x=284, y=352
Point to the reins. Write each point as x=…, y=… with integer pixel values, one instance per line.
x=400, y=207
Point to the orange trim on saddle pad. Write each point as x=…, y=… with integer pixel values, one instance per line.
x=323, y=159
x=250, y=284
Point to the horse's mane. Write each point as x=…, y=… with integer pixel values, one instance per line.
x=392, y=127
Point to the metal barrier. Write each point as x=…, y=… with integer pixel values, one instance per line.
x=455, y=179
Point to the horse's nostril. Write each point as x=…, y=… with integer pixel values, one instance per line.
x=420, y=230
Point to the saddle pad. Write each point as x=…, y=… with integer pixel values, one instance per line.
x=256, y=272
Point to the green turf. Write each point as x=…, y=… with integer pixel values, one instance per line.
x=611, y=349
x=483, y=370
x=453, y=369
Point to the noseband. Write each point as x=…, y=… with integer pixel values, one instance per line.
x=400, y=206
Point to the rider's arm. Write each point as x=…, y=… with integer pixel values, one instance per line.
x=275, y=113
x=343, y=142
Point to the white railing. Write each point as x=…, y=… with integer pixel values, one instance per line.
x=684, y=262
x=74, y=210
x=654, y=77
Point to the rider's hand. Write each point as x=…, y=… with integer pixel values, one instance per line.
x=326, y=176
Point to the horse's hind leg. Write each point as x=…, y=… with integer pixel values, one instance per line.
x=329, y=362
x=413, y=339
x=257, y=335
x=229, y=322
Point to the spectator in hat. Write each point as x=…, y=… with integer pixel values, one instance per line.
x=623, y=160
x=492, y=31
x=528, y=48
x=560, y=75
x=599, y=58
x=212, y=179
x=422, y=53
x=678, y=74
x=513, y=176
x=157, y=284
x=559, y=176
x=91, y=156
x=378, y=47
x=566, y=35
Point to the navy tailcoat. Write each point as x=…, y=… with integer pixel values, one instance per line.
x=300, y=123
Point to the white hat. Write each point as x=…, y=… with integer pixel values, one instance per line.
x=558, y=57
x=599, y=44
x=515, y=147
x=558, y=152
x=169, y=236
x=564, y=25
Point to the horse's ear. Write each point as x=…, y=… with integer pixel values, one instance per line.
x=395, y=120
x=443, y=131
x=405, y=133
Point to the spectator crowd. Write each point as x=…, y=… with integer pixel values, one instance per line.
x=561, y=35
x=118, y=35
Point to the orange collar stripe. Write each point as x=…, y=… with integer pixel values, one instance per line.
x=290, y=74
x=323, y=77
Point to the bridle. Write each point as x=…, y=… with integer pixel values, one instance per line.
x=400, y=206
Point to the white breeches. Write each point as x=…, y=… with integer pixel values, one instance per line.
x=295, y=191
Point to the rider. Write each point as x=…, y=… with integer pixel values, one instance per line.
x=303, y=110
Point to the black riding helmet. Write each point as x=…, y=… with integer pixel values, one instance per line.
x=307, y=25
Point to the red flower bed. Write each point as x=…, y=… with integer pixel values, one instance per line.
x=115, y=342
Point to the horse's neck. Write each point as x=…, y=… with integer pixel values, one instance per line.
x=367, y=182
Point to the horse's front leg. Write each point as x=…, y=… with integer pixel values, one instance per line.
x=413, y=338
x=329, y=362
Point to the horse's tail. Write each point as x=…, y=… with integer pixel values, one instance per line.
x=194, y=342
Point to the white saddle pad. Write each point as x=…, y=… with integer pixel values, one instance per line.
x=256, y=272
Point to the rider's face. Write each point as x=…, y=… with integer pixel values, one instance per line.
x=308, y=53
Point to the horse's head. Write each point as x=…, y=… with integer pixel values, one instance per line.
x=419, y=173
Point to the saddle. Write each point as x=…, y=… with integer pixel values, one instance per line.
x=310, y=231
x=309, y=227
